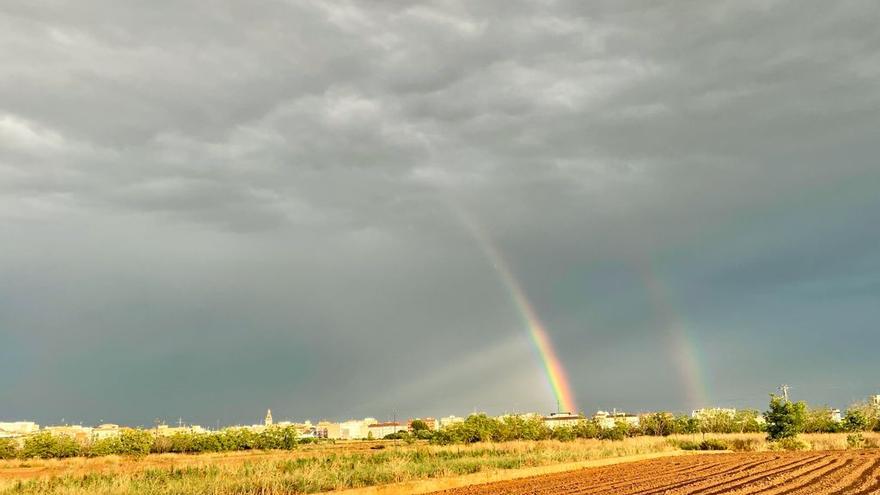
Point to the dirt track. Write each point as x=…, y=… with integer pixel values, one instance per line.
x=819, y=473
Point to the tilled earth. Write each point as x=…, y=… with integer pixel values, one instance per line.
x=766, y=473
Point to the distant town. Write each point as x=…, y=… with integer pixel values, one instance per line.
x=366, y=428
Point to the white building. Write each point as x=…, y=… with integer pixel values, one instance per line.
x=558, y=419
x=107, y=430
x=609, y=420
x=875, y=400
x=708, y=412
x=18, y=428
x=82, y=434
x=835, y=416
x=354, y=429
x=450, y=420
x=381, y=430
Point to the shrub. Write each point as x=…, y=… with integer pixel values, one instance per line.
x=106, y=446
x=855, y=441
x=713, y=444
x=619, y=432
x=686, y=445
x=820, y=421
x=785, y=419
x=708, y=444
x=855, y=420
x=134, y=442
x=745, y=444
x=658, y=424
x=563, y=434
x=8, y=449
x=586, y=429
x=45, y=445
x=789, y=443
x=419, y=425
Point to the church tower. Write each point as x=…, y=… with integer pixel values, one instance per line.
x=268, y=421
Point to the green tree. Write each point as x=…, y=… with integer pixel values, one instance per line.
x=8, y=449
x=563, y=433
x=855, y=420
x=686, y=425
x=45, y=445
x=418, y=425
x=659, y=424
x=746, y=421
x=587, y=428
x=785, y=419
x=135, y=442
x=869, y=412
x=819, y=420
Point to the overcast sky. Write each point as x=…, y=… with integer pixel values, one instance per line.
x=212, y=208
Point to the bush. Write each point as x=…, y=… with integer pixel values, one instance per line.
x=819, y=421
x=708, y=444
x=8, y=449
x=855, y=441
x=785, y=419
x=45, y=445
x=658, y=424
x=563, y=433
x=713, y=444
x=855, y=420
x=745, y=444
x=789, y=443
x=619, y=432
x=106, y=446
x=134, y=442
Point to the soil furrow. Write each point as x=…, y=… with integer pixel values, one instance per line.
x=783, y=464
x=733, y=484
x=726, y=472
x=764, y=473
x=871, y=483
x=805, y=478
x=611, y=478
x=638, y=478
x=857, y=478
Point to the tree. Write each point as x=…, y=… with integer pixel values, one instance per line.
x=418, y=425
x=45, y=445
x=658, y=424
x=686, y=424
x=820, y=420
x=867, y=411
x=8, y=449
x=785, y=419
x=746, y=421
x=135, y=442
x=855, y=420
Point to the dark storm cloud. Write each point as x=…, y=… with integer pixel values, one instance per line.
x=210, y=208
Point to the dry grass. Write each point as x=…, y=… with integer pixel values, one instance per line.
x=332, y=467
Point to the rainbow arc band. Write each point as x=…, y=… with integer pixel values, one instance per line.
x=556, y=375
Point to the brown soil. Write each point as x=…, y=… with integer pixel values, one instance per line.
x=766, y=473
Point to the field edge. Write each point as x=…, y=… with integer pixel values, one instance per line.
x=419, y=487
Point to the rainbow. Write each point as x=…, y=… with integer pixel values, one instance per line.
x=684, y=348
x=556, y=375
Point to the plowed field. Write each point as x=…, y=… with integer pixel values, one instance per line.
x=771, y=473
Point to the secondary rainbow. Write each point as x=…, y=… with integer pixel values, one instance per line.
x=556, y=375
x=686, y=354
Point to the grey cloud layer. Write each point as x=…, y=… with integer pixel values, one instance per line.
x=257, y=201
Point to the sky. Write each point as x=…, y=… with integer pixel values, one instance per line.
x=208, y=209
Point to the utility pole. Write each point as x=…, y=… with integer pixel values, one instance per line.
x=784, y=388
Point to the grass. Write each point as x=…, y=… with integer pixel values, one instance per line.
x=332, y=468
